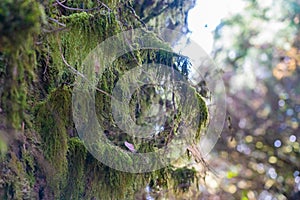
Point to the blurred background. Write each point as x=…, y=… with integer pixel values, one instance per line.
x=256, y=45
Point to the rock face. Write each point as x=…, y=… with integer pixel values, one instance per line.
x=41, y=47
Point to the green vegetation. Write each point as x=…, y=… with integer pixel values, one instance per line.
x=42, y=47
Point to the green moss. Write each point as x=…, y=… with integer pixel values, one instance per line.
x=3, y=146
x=53, y=120
x=80, y=20
x=28, y=161
x=19, y=68
x=102, y=182
x=160, y=179
x=183, y=178
x=22, y=20
x=74, y=173
x=15, y=185
x=76, y=163
x=85, y=32
x=14, y=175
x=202, y=115
x=19, y=19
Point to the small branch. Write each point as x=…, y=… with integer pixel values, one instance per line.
x=134, y=14
x=55, y=4
x=199, y=158
x=81, y=9
x=104, y=5
x=54, y=30
x=71, y=67
x=56, y=21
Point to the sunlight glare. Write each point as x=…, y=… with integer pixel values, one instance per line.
x=206, y=16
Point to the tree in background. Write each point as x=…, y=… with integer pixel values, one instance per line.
x=258, y=153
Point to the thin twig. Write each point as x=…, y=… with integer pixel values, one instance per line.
x=199, y=158
x=104, y=5
x=134, y=13
x=56, y=21
x=55, y=4
x=54, y=30
x=82, y=9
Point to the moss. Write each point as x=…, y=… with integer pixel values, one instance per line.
x=76, y=164
x=14, y=176
x=93, y=179
x=28, y=161
x=53, y=119
x=85, y=32
x=3, y=147
x=15, y=185
x=160, y=179
x=102, y=182
x=74, y=173
x=14, y=95
x=81, y=19
x=20, y=19
x=183, y=178
x=18, y=73
x=202, y=115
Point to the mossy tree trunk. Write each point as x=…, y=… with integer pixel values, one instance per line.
x=41, y=44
